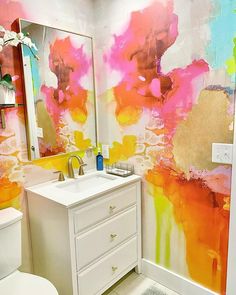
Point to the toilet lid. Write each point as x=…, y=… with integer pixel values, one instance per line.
x=19, y=283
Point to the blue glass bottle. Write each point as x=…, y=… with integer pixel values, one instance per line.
x=99, y=161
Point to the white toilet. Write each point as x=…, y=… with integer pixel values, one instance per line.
x=12, y=281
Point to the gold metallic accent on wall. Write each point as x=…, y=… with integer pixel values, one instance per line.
x=208, y=122
x=45, y=122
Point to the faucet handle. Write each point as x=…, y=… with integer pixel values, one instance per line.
x=61, y=176
x=81, y=170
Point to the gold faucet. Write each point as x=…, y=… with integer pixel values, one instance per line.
x=61, y=176
x=71, y=173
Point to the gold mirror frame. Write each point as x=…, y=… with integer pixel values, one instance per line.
x=31, y=102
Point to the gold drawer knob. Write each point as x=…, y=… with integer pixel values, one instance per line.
x=114, y=268
x=112, y=208
x=113, y=236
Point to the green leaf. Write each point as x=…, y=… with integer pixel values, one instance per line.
x=7, y=78
x=6, y=84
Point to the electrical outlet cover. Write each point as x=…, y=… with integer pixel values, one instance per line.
x=222, y=153
x=105, y=151
x=39, y=132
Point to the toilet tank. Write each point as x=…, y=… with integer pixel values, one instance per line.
x=10, y=241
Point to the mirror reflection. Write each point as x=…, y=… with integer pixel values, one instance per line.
x=60, y=95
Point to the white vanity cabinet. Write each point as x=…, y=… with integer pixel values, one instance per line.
x=85, y=246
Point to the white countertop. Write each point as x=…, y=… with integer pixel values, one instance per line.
x=55, y=191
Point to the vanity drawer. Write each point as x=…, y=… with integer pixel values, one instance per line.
x=107, y=206
x=100, y=274
x=103, y=238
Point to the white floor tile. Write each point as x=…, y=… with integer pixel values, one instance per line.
x=111, y=293
x=134, y=285
x=166, y=290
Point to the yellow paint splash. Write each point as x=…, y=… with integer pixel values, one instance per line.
x=58, y=162
x=123, y=151
x=231, y=62
x=78, y=115
x=80, y=142
x=128, y=115
x=10, y=192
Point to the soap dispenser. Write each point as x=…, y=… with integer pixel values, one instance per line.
x=99, y=160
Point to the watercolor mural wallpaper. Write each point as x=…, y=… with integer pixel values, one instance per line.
x=169, y=91
x=165, y=80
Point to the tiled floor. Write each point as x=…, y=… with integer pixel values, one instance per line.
x=134, y=284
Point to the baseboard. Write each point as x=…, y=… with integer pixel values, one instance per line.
x=173, y=281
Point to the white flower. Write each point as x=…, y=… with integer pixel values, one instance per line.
x=2, y=29
x=34, y=46
x=12, y=38
x=9, y=35
x=13, y=42
x=20, y=36
x=27, y=41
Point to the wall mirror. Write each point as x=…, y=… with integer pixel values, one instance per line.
x=60, y=92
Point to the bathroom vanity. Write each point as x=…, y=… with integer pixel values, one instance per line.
x=86, y=232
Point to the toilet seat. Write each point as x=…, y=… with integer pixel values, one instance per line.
x=19, y=283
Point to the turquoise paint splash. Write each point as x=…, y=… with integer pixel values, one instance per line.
x=223, y=31
x=34, y=71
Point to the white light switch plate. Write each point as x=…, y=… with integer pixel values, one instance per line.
x=105, y=151
x=222, y=153
x=39, y=132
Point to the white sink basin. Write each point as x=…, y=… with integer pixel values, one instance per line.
x=72, y=192
x=85, y=183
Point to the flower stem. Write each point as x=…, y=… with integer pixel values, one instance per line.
x=35, y=55
x=9, y=40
